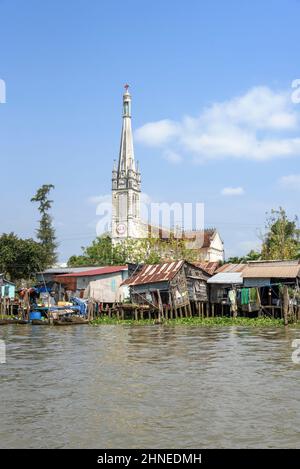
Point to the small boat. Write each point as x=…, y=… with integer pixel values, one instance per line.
x=3, y=322
x=12, y=321
x=40, y=322
x=70, y=321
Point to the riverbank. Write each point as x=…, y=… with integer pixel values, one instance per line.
x=196, y=321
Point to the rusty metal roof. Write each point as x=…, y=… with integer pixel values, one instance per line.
x=272, y=270
x=209, y=267
x=232, y=268
x=155, y=273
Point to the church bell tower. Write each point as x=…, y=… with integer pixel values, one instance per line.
x=126, y=183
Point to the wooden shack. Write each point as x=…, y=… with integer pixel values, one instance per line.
x=259, y=287
x=277, y=284
x=176, y=287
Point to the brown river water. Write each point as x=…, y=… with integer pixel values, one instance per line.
x=149, y=387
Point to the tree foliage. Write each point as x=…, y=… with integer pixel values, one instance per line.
x=144, y=250
x=46, y=232
x=20, y=258
x=282, y=238
x=251, y=256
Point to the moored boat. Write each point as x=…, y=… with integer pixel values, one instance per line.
x=3, y=322
x=70, y=321
x=40, y=322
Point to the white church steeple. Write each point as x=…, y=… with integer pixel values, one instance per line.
x=126, y=183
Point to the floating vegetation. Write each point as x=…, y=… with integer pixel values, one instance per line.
x=196, y=321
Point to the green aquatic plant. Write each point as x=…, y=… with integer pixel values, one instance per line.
x=196, y=321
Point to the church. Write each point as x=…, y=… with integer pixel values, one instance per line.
x=126, y=199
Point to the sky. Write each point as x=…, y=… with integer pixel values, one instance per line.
x=215, y=117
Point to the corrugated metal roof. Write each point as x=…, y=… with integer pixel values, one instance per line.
x=67, y=270
x=155, y=273
x=227, y=278
x=232, y=268
x=209, y=267
x=274, y=262
x=99, y=271
x=272, y=271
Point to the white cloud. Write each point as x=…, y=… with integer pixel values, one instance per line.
x=290, y=182
x=260, y=125
x=172, y=157
x=156, y=133
x=232, y=191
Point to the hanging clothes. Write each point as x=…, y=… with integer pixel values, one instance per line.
x=232, y=300
x=245, y=296
x=253, y=295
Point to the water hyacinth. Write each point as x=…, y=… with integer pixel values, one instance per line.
x=196, y=321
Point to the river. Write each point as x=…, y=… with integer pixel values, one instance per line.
x=149, y=387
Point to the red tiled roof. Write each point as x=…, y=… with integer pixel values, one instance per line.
x=189, y=235
x=98, y=271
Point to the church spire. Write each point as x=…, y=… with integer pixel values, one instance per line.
x=126, y=155
x=126, y=183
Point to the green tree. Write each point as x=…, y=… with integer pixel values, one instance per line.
x=145, y=251
x=282, y=238
x=100, y=252
x=46, y=232
x=20, y=258
x=251, y=256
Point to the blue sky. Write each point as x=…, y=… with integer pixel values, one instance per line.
x=212, y=111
